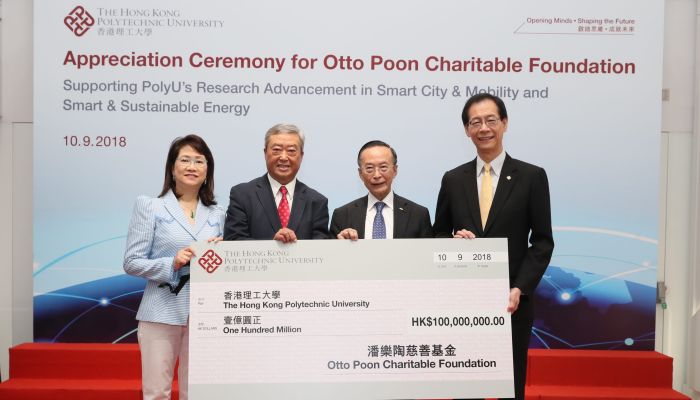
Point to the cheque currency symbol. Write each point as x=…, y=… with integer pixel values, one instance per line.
x=210, y=261
x=79, y=21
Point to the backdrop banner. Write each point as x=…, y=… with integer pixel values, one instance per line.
x=116, y=82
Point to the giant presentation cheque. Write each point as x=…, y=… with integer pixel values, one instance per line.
x=335, y=319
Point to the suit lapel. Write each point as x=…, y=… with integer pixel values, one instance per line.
x=472, y=193
x=267, y=202
x=201, y=218
x=357, y=214
x=298, y=205
x=506, y=182
x=173, y=207
x=401, y=214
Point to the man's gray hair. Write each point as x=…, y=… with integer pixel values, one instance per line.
x=285, y=128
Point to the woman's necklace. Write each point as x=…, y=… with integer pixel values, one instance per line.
x=190, y=212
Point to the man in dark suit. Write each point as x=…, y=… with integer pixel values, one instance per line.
x=493, y=196
x=277, y=205
x=381, y=214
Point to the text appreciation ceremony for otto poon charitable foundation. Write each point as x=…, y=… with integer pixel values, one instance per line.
x=116, y=82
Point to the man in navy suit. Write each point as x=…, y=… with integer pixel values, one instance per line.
x=277, y=205
x=496, y=196
x=400, y=217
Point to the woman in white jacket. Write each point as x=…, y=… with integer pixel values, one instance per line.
x=158, y=249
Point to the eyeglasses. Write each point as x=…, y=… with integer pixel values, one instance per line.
x=476, y=123
x=369, y=169
x=197, y=162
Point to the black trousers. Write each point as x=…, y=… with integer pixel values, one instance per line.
x=521, y=324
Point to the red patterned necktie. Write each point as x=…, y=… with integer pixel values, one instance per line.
x=283, y=209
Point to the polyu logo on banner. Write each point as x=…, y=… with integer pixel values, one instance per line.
x=210, y=261
x=79, y=21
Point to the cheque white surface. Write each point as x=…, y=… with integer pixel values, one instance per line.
x=350, y=320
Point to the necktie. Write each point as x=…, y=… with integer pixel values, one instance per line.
x=486, y=194
x=283, y=208
x=378, y=227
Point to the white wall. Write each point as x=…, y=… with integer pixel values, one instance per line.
x=694, y=237
x=15, y=176
x=15, y=238
x=679, y=254
x=679, y=201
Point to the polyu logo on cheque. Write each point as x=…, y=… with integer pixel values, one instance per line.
x=210, y=261
x=79, y=21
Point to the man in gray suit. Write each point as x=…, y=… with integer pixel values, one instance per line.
x=277, y=205
x=381, y=214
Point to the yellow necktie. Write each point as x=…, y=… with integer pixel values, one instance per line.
x=486, y=194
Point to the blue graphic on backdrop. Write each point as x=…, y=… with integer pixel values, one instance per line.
x=609, y=314
x=102, y=311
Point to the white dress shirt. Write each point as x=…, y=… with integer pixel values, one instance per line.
x=496, y=167
x=387, y=213
x=278, y=195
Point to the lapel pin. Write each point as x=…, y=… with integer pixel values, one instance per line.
x=508, y=177
x=400, y=208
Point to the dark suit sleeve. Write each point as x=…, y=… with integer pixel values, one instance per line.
x=237, y=225
x=336, y=224
x=426, y=229
x=320, y=220
x=443, y=213
x=541, y=247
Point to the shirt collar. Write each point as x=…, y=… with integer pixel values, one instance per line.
x=276, y=186
x=388, y=200
x=496, y=164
